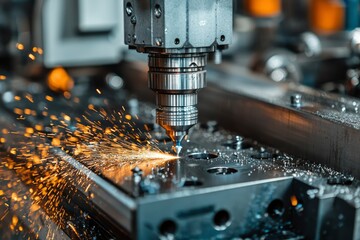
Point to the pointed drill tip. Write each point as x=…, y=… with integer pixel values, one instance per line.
x=177, y=149
x=177, y=137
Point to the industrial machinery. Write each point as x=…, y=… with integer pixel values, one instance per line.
x=178, y=54
x=84, y=155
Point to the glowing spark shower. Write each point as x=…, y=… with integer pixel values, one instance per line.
x=112, y=145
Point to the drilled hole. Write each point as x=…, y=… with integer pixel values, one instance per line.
x=222, y=170
x=222, y=38
x=221, y=220
x=203, y=156
x=157, y=11
x=177, y=41
x=340, y=180
x=192, y=183
x=129, y=9
x=276, y=208
x=167, y=229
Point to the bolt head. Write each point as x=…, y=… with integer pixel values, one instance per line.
x=157, y=11
x=296, y=100
x=129, y=9
x=158, y=42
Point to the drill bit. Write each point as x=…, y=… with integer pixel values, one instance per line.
x=177, y=148
x=177, y=138
x=177, y=68
x=176, y=79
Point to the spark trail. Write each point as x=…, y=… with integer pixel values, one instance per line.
x=112, y=143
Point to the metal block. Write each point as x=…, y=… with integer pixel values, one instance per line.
x=178, y=24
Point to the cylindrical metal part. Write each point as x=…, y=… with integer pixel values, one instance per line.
x=176, y=79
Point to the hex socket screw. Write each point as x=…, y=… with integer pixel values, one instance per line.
x=296, y=100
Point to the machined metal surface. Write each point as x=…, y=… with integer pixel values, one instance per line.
x=325, y=129
x=222, y=186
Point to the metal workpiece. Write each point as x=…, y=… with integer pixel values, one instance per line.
x=324, y=129
x=319, y=126
x=223, y=186
x=178, y=35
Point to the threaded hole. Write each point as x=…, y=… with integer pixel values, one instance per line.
x=192, y=183
x=203, y=156
x=222, y=170
x=276, y=209
x=167, y=229
x=221, y=220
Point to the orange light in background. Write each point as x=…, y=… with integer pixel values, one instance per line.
x=59, y=80
x=294, y=201
x=67, y=95
x=38, y=127
x=27, y=111
x=2, y=77
x=37, y=50
x=67, y=118
x=29, y=98
x=263, y=8
x=18, y=111
x=327, y=16
x=20, y=46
